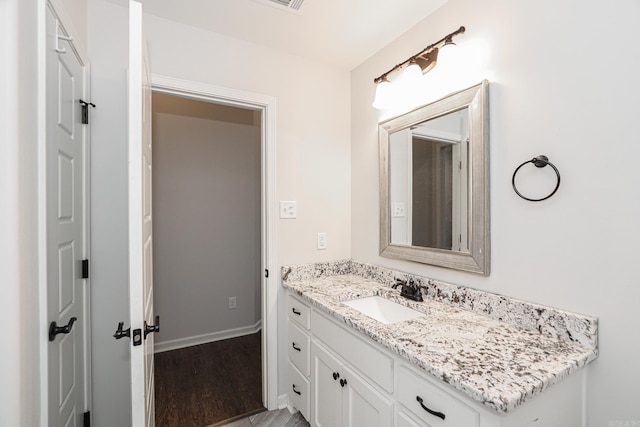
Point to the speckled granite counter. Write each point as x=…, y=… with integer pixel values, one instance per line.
x=497, y=350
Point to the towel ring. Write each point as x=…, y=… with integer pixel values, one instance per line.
x=540, y=162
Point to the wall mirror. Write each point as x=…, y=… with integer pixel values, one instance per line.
x=434, y=183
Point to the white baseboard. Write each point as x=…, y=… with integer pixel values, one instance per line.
x=283, y=402
x=159, y=347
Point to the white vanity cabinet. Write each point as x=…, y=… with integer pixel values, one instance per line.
x=341, y=397
x=298, y=346
x=342, y=378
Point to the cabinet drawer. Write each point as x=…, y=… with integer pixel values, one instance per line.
x=298, y=390
x=371, y=361
x=298, y=311
x=298, y=348
x=412, y=386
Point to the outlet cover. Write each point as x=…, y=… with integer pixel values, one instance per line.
x=232, y=303
x=397, y=210
x=322, y=240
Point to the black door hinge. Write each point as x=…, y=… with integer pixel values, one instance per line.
x=85, y=111
x=266, y=273
x=87, y=419
x=85, y=268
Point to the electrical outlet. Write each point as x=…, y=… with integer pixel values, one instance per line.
x=232, y=302
x=397, y=210
x=322, y=240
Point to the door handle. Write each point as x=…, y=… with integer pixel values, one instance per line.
x=148, y=329
x=121, y=333
x=54, y=329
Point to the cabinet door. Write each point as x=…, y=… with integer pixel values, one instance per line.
x=362, y=405
x=326, y=391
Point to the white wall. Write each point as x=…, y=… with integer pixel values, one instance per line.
x=312, y=132
x=563, y=83
x=19, y=260
x=206, y=219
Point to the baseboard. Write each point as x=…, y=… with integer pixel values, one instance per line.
x=283, y=402
x=176, y=344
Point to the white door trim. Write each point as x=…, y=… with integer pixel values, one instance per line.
x=267, y=105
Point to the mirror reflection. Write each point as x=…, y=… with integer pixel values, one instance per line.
x=429, y=183
x=434, y=183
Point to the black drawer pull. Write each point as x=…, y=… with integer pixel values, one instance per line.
x=294, y=347
x=336, y=376
x=437, y=414
x=293, y=386
x=343, y=382
x=296, y=312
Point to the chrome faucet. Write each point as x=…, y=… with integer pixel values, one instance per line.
x=409, y=290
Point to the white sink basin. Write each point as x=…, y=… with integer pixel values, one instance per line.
x=383, y=310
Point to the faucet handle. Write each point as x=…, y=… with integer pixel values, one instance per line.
x=399, y=282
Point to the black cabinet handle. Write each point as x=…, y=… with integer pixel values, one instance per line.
x=336, y=376
x=54, y=329
x=343, y=382
x=296, y=312
x=293, y=386
x=434, y=413
x=294, y=347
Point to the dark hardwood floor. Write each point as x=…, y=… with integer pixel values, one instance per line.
x=205, y=384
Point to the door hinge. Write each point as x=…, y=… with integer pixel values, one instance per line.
x=85, y=268
x=87, y=419
x=266, y=272
x=85, y=111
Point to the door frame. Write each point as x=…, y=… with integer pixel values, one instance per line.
x=269, y=289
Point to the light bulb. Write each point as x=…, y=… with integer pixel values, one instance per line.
x=384, y=95
x=447, y=53
x=412, y=74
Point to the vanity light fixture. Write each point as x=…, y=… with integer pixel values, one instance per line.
x=420, y=63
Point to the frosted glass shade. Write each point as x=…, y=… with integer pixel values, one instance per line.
x=384, y=95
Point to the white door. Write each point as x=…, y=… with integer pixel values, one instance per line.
x=67, y=291
x=140, y=243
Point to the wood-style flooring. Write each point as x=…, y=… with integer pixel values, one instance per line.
x=281, y=418
x=205, y=384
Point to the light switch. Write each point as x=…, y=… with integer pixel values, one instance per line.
x=288, y=209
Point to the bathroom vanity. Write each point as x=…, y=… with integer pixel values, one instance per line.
x=468, y=358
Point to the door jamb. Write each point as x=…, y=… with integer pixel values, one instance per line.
x=269, y=291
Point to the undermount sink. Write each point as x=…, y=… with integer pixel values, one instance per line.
x=382, y=309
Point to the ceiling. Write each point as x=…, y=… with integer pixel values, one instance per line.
x=341, y=32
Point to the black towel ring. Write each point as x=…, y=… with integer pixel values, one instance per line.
x=540, y=162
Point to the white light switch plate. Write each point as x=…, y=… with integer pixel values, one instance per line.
x=288, y=209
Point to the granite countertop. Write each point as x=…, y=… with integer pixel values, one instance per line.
x=495, y=362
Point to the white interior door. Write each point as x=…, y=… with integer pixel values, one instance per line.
x=140, y=242
x=67, y=291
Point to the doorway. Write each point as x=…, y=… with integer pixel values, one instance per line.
x=207, y=211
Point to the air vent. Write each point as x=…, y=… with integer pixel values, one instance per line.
x=288, y=5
